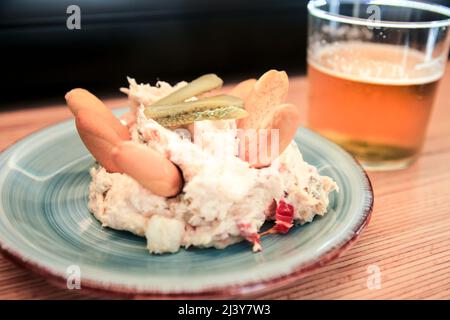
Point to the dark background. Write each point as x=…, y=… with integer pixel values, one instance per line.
x=148, y=40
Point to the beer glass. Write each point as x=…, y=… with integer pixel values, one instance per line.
x=374, y=69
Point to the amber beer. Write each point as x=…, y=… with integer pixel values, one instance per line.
x=372, y=99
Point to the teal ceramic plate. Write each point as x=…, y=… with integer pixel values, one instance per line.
x=45, y=225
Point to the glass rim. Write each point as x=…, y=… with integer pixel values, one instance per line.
x=315, y=10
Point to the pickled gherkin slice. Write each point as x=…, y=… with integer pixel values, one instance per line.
x=194, y=88
x=212, y=108
x=222, y=113
x=219, y=101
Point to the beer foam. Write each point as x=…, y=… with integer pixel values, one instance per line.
x=376, y=63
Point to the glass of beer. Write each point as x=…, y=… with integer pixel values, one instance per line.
x=374, y=69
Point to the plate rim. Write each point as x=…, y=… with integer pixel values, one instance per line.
x=224, y=291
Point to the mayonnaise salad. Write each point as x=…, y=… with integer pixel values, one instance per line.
x=223, y=200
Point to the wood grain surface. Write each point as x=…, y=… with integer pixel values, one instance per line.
x=408, y=238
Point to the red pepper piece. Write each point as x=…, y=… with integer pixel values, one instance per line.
x=284, y=217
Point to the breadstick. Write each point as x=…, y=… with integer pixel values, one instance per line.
x=150, y=168
x=98, y=137
x=81, y=99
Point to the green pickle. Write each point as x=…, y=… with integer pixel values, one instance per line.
x=218, y=107
x=222, y=113
x=194, y=88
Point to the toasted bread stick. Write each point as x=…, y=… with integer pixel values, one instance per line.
x=150, y=168
x=81, y=99
x=98, y=137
